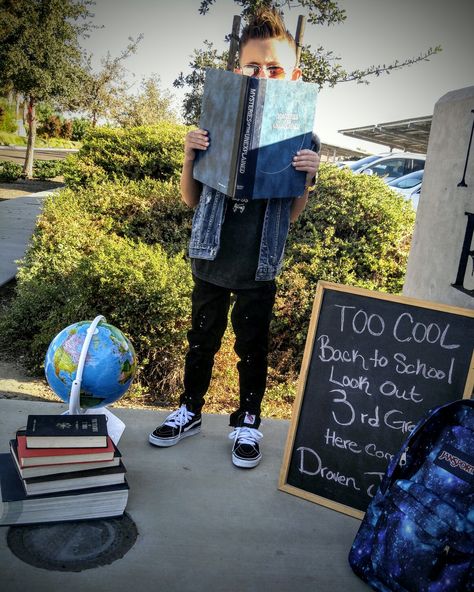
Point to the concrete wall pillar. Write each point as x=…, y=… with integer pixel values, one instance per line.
x=441, y=260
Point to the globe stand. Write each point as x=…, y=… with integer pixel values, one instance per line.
x=115, y=426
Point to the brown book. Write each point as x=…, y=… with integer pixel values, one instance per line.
x=29, y=457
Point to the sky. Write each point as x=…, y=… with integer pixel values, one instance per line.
x=375, y=32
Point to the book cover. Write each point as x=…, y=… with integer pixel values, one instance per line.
x=256, y=126
x=44, y=456
x=57, y=431
x=73, y=481
x=43, y=470
x=18, y=508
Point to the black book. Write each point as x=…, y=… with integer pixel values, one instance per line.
x=83, y=504
x=255, y=126
x=66, y=431
x=78, y=480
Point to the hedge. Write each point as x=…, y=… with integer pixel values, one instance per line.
x=42, y=169
x=133, y=153
x=84, y=261
x=354, y=230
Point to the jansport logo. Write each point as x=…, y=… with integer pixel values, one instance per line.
x=456, y=462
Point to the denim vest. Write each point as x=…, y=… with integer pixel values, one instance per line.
x=207, y=225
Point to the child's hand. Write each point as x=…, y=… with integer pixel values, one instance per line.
x=308, y=161
x=195, y=140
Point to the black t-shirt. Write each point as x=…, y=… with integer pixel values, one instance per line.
x=236, y=261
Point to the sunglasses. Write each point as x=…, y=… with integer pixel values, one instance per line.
x=270, y=71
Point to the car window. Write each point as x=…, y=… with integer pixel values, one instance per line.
x=408, y=181
x=418, y=164
x=392, y=167
x=357, y=164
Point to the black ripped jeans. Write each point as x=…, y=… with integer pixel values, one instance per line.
x=251, y=315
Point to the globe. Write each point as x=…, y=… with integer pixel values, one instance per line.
x=109, y=366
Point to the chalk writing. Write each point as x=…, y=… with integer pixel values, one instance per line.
x=319, y=469
x=376, y=366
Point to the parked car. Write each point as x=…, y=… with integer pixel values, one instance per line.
x=409, y=186
x=356, y=165
x=394, y=166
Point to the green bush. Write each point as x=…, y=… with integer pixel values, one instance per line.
x=56, y=143
x=47, y=169
x=11, y=139
x=149, y=211
x=80, y=172
x=14, y=140
x=80, y=127
x=9, y=171
x=354, y=230
x=7, y=117
x=134, y=153
x=90, y=255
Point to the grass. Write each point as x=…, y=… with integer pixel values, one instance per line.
x=9, y=139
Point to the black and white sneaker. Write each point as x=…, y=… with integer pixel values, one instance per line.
x=246, y=451
x=180, y=424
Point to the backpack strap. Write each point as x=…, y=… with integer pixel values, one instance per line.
x=436, y=418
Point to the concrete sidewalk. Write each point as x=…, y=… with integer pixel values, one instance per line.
x=204, y=525
x=17, y=222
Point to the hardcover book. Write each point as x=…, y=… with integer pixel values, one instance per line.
x=255, y=126
x=73, y=481
x=70, y=431
x=83, y=504
x=64, y=467
x=48, y=456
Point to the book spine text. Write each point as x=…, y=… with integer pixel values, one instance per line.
x=247, y=161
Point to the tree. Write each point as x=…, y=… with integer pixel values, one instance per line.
x=40, y=56
x=320, y=11
x=201, y=59
x=104, y=91
x=151, y=105
x=318, y=65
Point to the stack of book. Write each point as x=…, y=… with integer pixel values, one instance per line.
x=62, y=467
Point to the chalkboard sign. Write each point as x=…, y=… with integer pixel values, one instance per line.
x=374, y=364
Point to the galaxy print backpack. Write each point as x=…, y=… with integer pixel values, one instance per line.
x=418, y=532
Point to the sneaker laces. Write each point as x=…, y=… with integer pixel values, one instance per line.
x=245, y=435
x=179, y=418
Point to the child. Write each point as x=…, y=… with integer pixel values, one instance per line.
x=236, y=248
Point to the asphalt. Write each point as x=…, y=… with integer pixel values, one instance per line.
x=203, y=524
x=17, y=153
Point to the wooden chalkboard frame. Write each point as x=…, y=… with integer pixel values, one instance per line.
x=321, y=288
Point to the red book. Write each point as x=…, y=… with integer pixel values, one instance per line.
x=45, y=470
x=29, y=457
